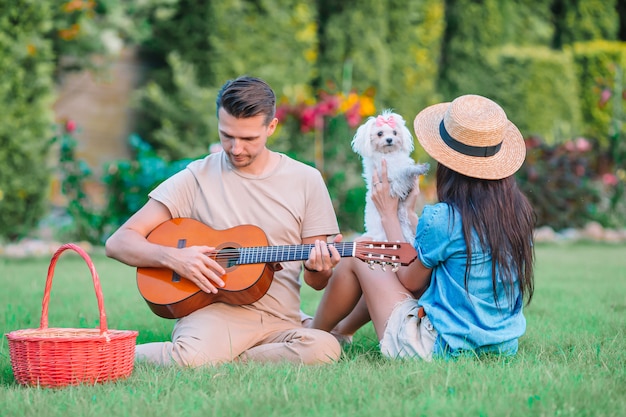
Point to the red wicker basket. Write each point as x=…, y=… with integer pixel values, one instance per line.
x=56, y=357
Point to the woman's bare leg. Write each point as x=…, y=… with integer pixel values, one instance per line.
x=382, y=292
x=340, y=296
x=358, y=317
x=352, y=278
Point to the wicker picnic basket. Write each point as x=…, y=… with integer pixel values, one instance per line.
x=56, y=357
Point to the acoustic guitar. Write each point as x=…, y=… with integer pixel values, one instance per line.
x=244, y=253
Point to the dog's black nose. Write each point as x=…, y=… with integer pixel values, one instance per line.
x=389, y=141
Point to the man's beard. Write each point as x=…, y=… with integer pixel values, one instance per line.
x=241, y=163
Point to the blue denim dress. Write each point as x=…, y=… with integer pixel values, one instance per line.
x=466, y=323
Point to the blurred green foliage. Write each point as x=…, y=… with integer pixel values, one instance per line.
x=597, y=64
x=183, y=116
x=200, y=45
x=538, y=89
x=581, y=21
x=391, y=46
x=557, y=68
x=26, y=88
x=86, y=221
x=129, y=182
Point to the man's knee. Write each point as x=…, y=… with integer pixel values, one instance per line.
x=324, y=348
x=190, y=355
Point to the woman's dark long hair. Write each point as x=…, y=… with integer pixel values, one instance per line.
x=503, y=220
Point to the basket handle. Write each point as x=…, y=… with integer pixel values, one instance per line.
x=96, y=284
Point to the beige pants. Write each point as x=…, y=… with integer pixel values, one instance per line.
x=222, y=333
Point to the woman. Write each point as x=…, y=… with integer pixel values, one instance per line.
x=465, y=292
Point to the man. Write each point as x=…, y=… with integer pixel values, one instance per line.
x=245, y=184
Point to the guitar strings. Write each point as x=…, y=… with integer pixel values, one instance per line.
x=385, y=245
x=229, y=253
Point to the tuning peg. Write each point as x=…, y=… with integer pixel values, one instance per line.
x=383, y=266
x=371, y=264
x=395, y=267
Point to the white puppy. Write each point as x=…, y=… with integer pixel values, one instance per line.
x=387, y=137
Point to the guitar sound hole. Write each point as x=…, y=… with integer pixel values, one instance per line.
x=228, y=257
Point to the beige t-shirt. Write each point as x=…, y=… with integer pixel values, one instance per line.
x=289, y=203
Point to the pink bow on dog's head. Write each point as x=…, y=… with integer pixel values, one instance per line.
x=381, y=120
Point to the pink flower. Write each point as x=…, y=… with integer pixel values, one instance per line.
x=70, y=126
x=532, y=142
x=582, y=145
x=569, y=146
x=353, y=116
x=328, y=105
x=604, y=97
x=610, y=179
x=307, y=119
x=281, y=112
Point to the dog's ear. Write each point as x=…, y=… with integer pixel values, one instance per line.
x=407, y=138
x=361, y=142
x=407, y=142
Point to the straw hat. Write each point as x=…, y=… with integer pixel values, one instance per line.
x=472, y=136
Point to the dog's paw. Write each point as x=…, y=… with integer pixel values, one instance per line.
x=411, y=172
x=419, y=169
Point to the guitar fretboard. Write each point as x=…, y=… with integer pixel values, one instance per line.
x=285, y=253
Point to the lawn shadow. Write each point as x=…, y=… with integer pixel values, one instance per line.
x=6, y=377
x=364, y=344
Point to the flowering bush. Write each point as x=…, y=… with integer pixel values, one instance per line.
x=610, y=210
x=319, y=131
x=557, y=181
x=582, y=179
x=318, y=116
x=611, y=153
x=129, y=182
x=86, y=220
x=569, y=185
x=127, y=186
x=310, y=113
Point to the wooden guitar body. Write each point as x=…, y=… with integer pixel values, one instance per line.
x=170, y=296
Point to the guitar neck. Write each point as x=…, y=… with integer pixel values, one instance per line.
x=286, y=253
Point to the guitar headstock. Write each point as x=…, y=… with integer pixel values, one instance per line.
x=395, y=254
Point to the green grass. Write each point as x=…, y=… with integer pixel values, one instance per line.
x=571, y=361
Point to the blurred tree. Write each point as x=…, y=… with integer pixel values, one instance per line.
x=584, y=20
x=26, y=65
x=78, y=32
x=475, y=27
x=191, y=54
x=185, y=122
x=392, y=46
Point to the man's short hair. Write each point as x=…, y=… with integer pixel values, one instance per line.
x=247, y=97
